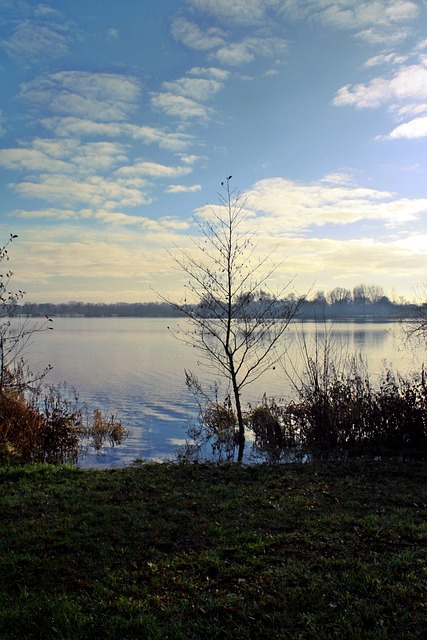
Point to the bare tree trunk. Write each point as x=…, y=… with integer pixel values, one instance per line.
x=239, y=413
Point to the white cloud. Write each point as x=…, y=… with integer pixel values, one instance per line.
x=379, y=21
x=45, y=11
x=63, y=156
x=386, y=37
x=355, y=260
x=71, y=126
x=383, y=58
x=180, y=188
x=411, y=130
x=32, y=160
x=190, y=159
x=94, y=191
x=382, y=17
x=133, y=248
x=180, y=106
x=235, y=54
x=199, y=89
x=184, y=96
x=153, y=170
x=112, y=33
x=409, y=83
x=119, y=218
x=159, y=226
x=99, y=156
x=287, y=207
x=245, y=12
x=95, y=96
x=31, y=41
x=213, y=72
x=238, y=53
x=404, y=93
x=405, y=111
x=174, y=224
x=52, y=213
x=87, y=258
x=192, y=36
x=421, y=46
x=170, y=140
x=338, y=179
x=105, y=216
x=222, y=48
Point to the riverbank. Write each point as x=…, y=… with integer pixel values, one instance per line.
x=326, y=550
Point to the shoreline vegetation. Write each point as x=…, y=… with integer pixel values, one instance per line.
x=384, y=311
x=202, y=551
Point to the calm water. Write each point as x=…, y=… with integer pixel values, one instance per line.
x=135, y=368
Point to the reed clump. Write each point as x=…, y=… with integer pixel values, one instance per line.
x=52, y=426
x=348, y=413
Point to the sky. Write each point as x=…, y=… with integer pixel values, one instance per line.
x=120, y=120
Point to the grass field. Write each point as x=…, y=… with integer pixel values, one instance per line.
x=168, y=551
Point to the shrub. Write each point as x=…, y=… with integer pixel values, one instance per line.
x=20, y=428
x=347, y=412
x=338, y=408
x=270, y=425
x=52, y=426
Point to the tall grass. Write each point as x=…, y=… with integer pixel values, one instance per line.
x=340, y=406
x=337, y=407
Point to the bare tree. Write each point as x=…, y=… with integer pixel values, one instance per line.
x=375, y=293
x=339, y=295
x=235, y=322
x=360, y=294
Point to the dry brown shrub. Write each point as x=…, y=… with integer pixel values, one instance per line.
x=21, y=428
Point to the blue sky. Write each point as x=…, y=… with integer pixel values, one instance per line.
x=119, y=120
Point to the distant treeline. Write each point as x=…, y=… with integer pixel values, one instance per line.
x=337, y=304
x=100, y=309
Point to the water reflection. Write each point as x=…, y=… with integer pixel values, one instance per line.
x=135, y=368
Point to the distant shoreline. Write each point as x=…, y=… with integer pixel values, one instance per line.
x=348, y=312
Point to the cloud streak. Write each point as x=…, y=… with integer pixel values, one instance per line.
x=288, y=207
x=102, y=97
x=378, y=22
x=403, y=93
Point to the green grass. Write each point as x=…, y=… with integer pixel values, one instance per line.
x=329, y=550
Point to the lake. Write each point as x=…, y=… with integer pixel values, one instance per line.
x=134, y=368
